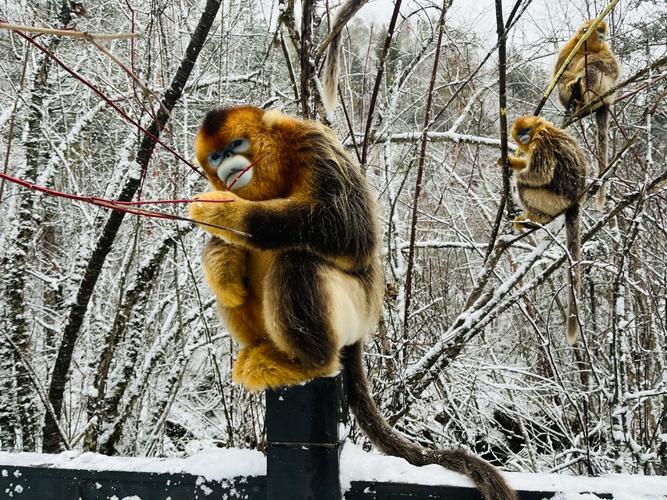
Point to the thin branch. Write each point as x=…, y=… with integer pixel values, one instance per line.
x=378, y=81
x=34, y=378
x=420, y=169
x=506, y=199
x=82, y=35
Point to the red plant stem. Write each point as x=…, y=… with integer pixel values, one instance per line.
x=97, y=199
x=120, y=206
x=106, y=99
x=158, y=202
x=244, y=171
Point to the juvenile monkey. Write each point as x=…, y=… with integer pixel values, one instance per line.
x=550, y=178
x=300, y=286
x=591, y=73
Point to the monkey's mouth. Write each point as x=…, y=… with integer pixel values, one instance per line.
x=234, y=172
x=233, y=175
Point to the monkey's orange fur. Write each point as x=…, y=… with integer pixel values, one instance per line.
x=593, y=70
x=303, y=287
x=550, y=179
x=247, y=273
x=592, y=73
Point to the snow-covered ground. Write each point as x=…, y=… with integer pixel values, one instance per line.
x=356, y=465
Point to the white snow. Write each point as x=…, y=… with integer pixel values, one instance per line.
x=358, y=465
x=213, y=464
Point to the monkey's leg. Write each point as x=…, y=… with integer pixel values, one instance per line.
x=545, y=201
x=529, y=218
x=262, y=366
x=301, y=343
x=245, y=324
x=225, y=271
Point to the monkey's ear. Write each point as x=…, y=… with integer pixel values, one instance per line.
x=272, y=117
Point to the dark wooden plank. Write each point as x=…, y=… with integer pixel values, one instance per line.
x=308, y=413
x=46, y=483
x=304, y=440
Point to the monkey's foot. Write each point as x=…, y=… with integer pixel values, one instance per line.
x=232, y=294
x=519, y=224
x=262, y=366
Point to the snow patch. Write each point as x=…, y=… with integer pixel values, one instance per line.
x=357, y=465
x=213, y=465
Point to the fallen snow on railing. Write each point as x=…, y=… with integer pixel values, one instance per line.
x=358, y=465
x=214, y=464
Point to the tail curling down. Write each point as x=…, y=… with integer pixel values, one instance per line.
x=488, y=480
x=331, y=69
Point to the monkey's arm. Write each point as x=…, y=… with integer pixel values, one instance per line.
x=225, y=271
x=542, y=165
x=516, y=162
x=288, y=223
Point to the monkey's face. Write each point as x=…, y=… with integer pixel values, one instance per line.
x=598, y=37
x=237, y=153
x=525, y=128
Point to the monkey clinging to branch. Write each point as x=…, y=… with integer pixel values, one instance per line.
x=592, y=72
x=550, y=178
x=300, y=283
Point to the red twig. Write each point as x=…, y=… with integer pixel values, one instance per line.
x=122, y=206
x=106, y=99
x=244, y=171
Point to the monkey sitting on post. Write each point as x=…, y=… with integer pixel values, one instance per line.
x=592, y=72
x=297, y=273
x=550, y=179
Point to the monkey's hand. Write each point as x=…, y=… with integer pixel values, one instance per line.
x=516, y=163
x=225, y=271
x=220, y=213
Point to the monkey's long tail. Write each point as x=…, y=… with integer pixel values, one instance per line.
x=602, y=123
x=488, y=480
x=573, y=233
x=332, y=61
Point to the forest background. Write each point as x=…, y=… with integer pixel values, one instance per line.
x=109, y=338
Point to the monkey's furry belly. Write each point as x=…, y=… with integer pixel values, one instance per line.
x=348, y=309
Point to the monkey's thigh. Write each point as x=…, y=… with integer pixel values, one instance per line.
x=297, y=309
x=301, y=343
x=245, y=322
x=544, y=204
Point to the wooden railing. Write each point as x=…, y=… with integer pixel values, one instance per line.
x=305, y=432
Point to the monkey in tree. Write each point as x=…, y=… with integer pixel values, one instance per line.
x=592, y=72
x=550, y=179
x=294, y=263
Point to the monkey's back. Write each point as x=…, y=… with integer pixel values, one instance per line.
x=558, y=150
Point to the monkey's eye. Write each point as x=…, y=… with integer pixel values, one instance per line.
x=239, y=145
x=524, y=131
x=215, y=158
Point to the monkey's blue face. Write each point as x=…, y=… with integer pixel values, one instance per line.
x=231, y=165
x=524, y=135
x=601, y=34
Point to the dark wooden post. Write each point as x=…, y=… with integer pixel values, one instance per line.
x=304, y=426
